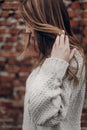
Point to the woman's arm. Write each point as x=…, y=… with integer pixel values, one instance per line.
x=49, y=98
x=49, y=93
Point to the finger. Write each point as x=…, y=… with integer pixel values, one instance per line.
x=62, y=40
x=56, y=41
x=72, y=53
x=67, y=41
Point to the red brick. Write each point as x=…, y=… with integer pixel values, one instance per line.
x=19, y=48
x=73, y=14
x=85, y=40
x=84, y=31
x=6, y=78
x=17, y=83
x=2, y=23
x=10, y=6
x=6, y=85
x=7, y=47
x=84, y=5
x=8, y=54
x=12, y=70
x=12, y=61
x=2, y=31
x=2, y=63
x=84, y=14
x=74, y=23
x=5, y=14
x=1, y=39
x=75, y=5
x=11, y=39
x=16, y=55
x=85, y=110
x=23, y=78
x=5, y=93
x=17, y=15
x=84, y=124
x=5, y=104
x=84, y=117
x=83, y=22
x=14, y=31
x=9, y=24
x=25, y=69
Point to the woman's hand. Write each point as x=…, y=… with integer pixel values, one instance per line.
x=61, y=48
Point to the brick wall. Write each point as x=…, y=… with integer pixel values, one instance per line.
x=13, y=72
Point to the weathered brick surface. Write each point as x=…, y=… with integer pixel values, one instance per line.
x=13, y=72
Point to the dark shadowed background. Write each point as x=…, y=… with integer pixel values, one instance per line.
x=13, y=71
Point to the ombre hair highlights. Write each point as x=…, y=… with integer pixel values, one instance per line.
x=48, y=18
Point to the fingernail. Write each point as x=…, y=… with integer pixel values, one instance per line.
x=74, y=49
x=62, y=34
x=63, y=31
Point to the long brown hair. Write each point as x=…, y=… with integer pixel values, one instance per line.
x=48, y=18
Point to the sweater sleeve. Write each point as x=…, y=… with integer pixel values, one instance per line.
x=49, y=98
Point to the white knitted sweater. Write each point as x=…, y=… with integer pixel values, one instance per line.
x=51, y=101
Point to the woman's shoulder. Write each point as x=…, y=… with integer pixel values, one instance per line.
x=76, y=62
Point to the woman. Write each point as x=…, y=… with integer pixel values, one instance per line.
x=55, y=89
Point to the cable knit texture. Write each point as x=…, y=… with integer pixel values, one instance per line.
x=52, y=101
